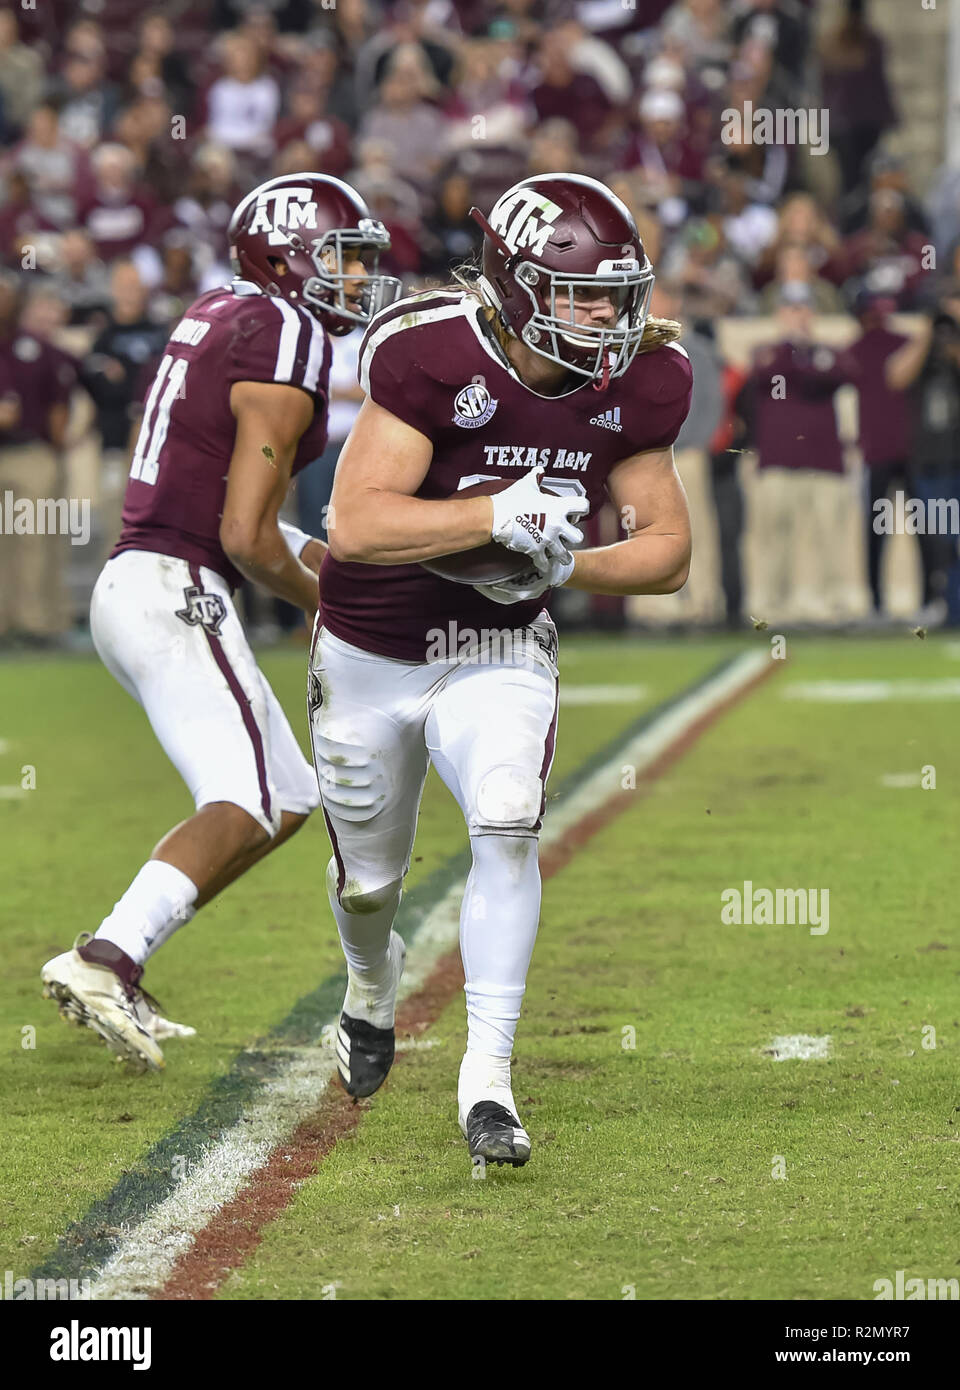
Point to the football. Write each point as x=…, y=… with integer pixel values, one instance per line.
x=485, y=564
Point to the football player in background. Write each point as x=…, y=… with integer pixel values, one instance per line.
x=543, y=366
x=238, y=405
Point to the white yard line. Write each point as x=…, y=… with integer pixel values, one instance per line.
x=148, y=1252
x=602, y=694
x=798, y=1047
x=871, y=692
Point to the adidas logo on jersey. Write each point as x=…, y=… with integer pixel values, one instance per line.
x=609, y=420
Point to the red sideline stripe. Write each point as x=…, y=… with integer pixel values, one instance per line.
x=237, y=1229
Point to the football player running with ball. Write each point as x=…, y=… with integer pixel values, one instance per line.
x=238, y=405
x=544, y=380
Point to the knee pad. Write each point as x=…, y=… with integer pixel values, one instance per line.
x=359, y=897
x=508, y=798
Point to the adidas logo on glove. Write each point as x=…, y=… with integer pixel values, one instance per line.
x=533, y=524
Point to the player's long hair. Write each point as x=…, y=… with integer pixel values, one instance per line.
x=466, y=276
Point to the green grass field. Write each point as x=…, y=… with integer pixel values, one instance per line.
x=658, y=1117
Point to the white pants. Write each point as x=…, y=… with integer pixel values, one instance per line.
x=169, y=633
x=485, y=716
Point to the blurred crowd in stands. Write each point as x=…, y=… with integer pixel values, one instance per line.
x=127, y=135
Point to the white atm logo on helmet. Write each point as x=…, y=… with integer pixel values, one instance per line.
x=292, y=208
x=524, y=217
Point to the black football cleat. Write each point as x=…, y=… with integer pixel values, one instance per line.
x=496, y=1135
x=364, y=1055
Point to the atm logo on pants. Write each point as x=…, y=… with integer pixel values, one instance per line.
x=207, y=610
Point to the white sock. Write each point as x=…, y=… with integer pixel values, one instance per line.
x=371, y=965
x=498, y=928
x=159, y=900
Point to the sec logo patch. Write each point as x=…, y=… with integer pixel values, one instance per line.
x=473, y=407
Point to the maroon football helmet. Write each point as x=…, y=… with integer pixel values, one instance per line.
x=292, y=235
x=563, y=237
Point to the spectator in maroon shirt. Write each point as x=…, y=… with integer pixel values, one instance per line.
x=36, y=380
x=119, y=214
x=672, y=167
x=885, y=433
x=855, y=91
x=558, y=89
x=18, y=218
x=800, y=484
x=887, y=255
x=327, y=138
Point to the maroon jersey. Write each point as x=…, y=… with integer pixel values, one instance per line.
x=432, y=360
x=884, y=413
x=796, y=423
x=178, y=477
x=36, y=375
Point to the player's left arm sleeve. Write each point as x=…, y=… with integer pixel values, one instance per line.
x=655, y=558
x=667, y=402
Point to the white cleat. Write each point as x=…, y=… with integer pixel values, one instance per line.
x=149, y=1016
x=94, y=996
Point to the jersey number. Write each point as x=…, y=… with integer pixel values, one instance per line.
x=167, y=387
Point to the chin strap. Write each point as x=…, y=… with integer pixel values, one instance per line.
x=604, y=382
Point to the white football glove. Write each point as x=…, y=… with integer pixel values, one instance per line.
x=536, y=523
x=530, y=585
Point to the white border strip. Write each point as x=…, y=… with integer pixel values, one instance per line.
x=148, y=1252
